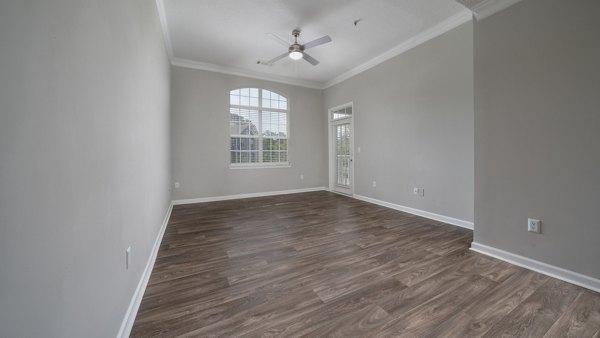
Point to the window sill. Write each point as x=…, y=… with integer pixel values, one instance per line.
x=259, y=166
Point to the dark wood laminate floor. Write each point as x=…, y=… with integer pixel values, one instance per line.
x=321, y=264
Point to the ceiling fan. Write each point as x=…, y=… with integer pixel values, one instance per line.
x=296, y=51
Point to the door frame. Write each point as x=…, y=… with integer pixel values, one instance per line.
x=330, y=154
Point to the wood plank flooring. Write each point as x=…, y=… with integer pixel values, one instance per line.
x=320, y=264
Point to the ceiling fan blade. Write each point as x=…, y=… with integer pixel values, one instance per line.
x=273, y=60
x=317, y=42
x=310, y=59
x=279, y=39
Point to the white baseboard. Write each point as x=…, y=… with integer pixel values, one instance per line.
x=134, y=305
x=251, y=195
x=537, y=266
x=422, y=213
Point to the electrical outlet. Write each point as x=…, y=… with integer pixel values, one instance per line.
x=374, y=184
x=301, y=177
x=176, y=185
x=419, y=192
x=534, y=225
x=358, y=149
x=128, y=258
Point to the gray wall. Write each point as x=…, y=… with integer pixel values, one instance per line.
x=84, y=161
x=200, y=137
x=414, y=124
x=537, y=122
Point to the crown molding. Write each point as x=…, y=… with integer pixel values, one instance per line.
x=242, y=72
x=428, y=34
x=441, y=28
x=490, y=7
x=162, y=16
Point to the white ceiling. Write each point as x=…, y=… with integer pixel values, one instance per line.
x=231, y=35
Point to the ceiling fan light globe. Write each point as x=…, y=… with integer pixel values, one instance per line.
x=295, y=55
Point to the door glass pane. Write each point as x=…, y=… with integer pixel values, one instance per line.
x=342, y=154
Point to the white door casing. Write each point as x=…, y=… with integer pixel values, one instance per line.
x=341, y=149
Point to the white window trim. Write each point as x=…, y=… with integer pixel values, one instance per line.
x=262, y=165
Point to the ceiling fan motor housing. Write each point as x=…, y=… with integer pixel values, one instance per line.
x=296, y=48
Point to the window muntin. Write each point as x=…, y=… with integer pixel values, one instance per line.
x=258, y=128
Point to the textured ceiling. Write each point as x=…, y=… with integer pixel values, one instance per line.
x=234, y=34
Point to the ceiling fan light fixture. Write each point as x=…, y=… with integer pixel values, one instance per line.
x=295, y=55
x=296, y=50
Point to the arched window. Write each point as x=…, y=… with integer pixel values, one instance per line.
x=258, y=128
